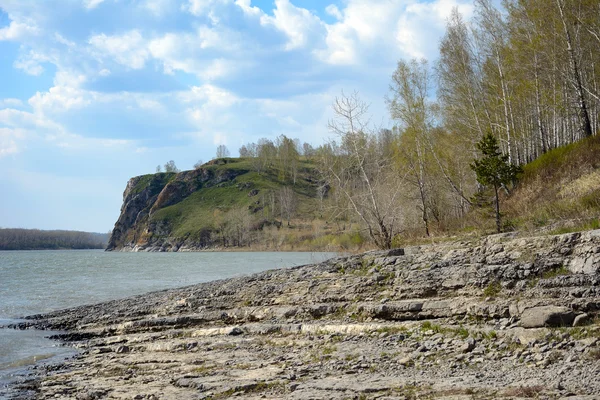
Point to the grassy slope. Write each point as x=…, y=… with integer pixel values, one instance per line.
x=201, y=208
x=560, y=189
x=557, y=193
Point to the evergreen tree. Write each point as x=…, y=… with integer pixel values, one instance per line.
x=493, y=169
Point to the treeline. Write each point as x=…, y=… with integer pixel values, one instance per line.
x=528, y=75
x=34, y=239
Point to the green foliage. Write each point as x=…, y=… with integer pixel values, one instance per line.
x=493, y=168
x=553, y=273
x=492, y=290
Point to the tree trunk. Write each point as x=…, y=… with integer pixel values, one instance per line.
x=498, y=227
x=584, y=117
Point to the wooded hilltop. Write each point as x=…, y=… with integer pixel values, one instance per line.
x=526, y=75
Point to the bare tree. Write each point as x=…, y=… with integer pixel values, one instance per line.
x=364, y=178
x=222, y=151
x=287, y=203
x=198, y=164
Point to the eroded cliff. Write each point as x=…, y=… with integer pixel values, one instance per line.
x=139, y=229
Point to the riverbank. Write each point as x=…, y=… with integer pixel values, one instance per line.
x=500, y=317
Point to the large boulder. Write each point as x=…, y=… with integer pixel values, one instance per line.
x=547, y=316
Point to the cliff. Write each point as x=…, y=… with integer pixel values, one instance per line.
x=179, y=212
x=500, y=317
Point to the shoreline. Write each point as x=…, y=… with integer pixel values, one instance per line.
x=455, y=320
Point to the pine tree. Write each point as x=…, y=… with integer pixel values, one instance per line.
x=493, y=169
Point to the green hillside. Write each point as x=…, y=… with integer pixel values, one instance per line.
x=200, y=209
x=231, y=202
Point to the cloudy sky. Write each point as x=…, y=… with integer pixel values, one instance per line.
x=94, y=92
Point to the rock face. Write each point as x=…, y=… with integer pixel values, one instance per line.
x=144, y=195
x=458, y=320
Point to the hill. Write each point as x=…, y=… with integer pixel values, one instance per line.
x=224, y=203
x=558, y=192
x=35, y=239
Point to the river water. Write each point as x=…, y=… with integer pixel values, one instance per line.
x=33, y=282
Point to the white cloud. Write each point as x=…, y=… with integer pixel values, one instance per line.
x=60, y=99
x=210, y=94
x=62, y=40
x=18, y=119
x=248, y=9
x=300, y=25
x=202, y=7
x=91, y=4
x=158, y=7
x=10, y=102
x=187, y=52
x=128, y=49
x=334, y=11
x=18, y=30
x=31, y=63
x=418, y=42
x=9, y=139
x=378, y=29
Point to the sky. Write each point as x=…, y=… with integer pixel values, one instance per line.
x=94, y=92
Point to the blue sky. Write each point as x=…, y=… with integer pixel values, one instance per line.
x=97, y=91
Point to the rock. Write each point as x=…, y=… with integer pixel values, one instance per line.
x=547, y=316
x=581, y=319
x=394, y=253
x=236, y=331
x=330, y=330
x=101, y=350
x=468, y=346
x=123, y=349
x=406, y=361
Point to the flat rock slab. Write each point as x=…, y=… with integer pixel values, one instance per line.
x=547, y=316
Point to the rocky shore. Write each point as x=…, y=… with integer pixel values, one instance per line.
x=502, y=317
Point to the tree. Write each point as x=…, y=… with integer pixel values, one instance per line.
x=287, y=158
x=198, y=164
x=287, y=203
x=244, y=152
x=170, y=167
x=222, y=151
x=357, y=173
x=493, y=169
x=158, y=169
x=410, y=107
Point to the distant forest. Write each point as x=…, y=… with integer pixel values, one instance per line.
x=34, y=239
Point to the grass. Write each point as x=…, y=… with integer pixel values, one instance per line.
x=553, y=273
x=206, y=206
x=461, y=332
x=561, y=185
x=492, y=290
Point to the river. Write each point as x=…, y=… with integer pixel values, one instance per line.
x=33, y=282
